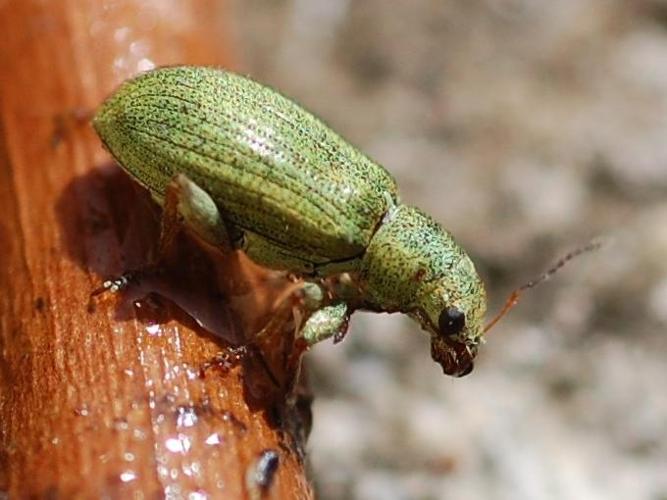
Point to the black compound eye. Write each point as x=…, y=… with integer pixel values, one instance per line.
x=451, y=321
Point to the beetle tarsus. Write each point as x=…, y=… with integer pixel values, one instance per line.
x=114, y=285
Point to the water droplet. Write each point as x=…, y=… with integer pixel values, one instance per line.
x=187, y=417
x=181, y=444
x=145, y=64
x=153, y=329
x=172, y=491
x=213, y=439
x=128, y=475
x=173, y=445
x=197, y=495
x=138, y=434
x=162, y=471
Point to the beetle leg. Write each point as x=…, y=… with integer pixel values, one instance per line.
x=184, y=203
x=329, y=321
x=188, y=204
x=321, y=321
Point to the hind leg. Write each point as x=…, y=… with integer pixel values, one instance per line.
x=184, y=204
x=187, y=204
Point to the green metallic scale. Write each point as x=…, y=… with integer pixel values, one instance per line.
x=247, y=168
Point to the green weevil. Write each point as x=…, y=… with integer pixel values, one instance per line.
x=245, y=167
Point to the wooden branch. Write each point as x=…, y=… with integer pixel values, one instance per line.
x=129, y=393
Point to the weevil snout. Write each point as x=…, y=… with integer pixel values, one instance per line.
x=449, y=348
x=456, y=358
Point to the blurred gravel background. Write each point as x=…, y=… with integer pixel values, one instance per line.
x=526, y=128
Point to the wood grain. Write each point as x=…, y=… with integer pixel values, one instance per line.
x=136, y=394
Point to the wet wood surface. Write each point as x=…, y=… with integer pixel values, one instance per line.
x=135, y=394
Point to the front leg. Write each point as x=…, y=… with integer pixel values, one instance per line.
x=324, y=318
x=329, y=321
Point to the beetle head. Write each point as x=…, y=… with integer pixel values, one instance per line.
x=413, y=265
x=451, y=308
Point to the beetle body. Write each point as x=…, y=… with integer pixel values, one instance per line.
x=276, y=171
x=295, y=196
